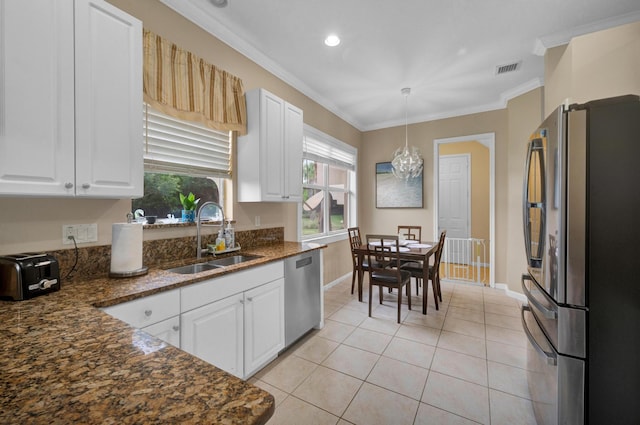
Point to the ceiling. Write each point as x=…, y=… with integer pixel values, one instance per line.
x=447, y=52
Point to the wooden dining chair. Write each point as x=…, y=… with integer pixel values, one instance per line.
x=412, y=233
x=383, y=255
x=417, y=271
x=355, y=241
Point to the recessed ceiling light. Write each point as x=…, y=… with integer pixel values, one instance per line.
x=332, y=40
x=219, y=3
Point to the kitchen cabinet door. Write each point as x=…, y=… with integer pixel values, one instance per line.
x=293, y=137
x=37, y=101
x=71, y=104
x=264, y=325
x=147, y=310
x=108, y=83
x=214, y=333
x=167, y=330
x=270, y=154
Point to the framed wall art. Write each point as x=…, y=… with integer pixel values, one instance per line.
x=392, y=192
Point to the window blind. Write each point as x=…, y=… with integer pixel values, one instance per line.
x=175, y=146
x=321, y=147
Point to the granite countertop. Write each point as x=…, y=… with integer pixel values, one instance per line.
x=64, y=361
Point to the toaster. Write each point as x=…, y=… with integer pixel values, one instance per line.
x=27, y=275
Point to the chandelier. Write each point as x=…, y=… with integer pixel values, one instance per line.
x=406, y=162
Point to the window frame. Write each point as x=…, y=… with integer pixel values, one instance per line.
x=221, y=175
x=348, y=160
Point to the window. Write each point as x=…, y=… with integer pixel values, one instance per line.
x=328, y=181
x=181, y=157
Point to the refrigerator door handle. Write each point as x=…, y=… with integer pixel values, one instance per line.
x=551, y=357
x=549, y=314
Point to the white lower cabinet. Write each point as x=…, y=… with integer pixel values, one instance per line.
x=157, y=315
x=240, y=333
x=263, y=325
x=214, y=333
x=167, y=330
x=235, y=321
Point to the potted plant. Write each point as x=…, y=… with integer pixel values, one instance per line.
x=189, y=204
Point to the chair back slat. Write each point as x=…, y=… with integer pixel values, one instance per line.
x=383, y=253
x=438, y=253
x=354, y=237
x=413, y=233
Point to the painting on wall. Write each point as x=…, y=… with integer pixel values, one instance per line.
x=392, y=192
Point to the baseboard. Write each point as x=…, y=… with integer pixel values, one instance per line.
x=335, y=282
x=510, y=293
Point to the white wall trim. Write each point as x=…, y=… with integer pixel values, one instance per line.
x=488, y=140
x=335, y=282
x=510, y=293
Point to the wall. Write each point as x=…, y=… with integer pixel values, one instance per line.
x=524, y=116
x=480, y=190
x=378, y=146
x=36, y=224
x=594, y=66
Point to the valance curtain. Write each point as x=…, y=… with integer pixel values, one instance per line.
x=184, y=86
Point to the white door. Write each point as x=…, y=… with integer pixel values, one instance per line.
x=454, y=204
x=36, y=98
x=214, y=334
x=109, y=148
x=272, y=150
x=264, y=324
x=293, y=135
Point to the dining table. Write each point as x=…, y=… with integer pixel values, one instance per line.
x=409, y=251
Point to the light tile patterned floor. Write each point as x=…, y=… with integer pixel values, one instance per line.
x=463, y=364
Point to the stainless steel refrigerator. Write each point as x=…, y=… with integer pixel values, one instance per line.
x=581, y=204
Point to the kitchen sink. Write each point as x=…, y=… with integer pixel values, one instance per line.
x=213, y=264
x=234, y=259
x=194, y=268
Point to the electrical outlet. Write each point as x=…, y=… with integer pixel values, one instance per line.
x=257, y=220
x=82, y=233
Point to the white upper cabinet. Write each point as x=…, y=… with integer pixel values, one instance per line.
x=37, y=101
x=270, y=155
x=71, y=103
x=109, y=149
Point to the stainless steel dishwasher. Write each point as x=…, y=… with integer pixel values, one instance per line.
x=302, y=293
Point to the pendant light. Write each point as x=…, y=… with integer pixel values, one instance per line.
x=406, y=162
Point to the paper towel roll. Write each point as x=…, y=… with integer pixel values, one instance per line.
x=126, y=247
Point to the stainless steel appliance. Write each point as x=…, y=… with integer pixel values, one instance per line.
x=302, y=295
x=582, y=232
x=24, y=276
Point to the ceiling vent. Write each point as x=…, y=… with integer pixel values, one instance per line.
x=510, y=67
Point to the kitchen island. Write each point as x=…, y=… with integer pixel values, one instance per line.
x=64, y=360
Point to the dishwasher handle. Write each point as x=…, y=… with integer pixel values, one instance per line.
x=304, y=262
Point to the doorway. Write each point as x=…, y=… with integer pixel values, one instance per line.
x=468, y=214
x=454, y=201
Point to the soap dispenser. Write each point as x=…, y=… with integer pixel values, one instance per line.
x=229, y=235
x=220, y=242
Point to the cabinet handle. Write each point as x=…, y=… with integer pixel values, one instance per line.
x=68, y=185
x=148, y=313
x=241, y=301
x=250, y=299
x=86, y=185
x=176, y=328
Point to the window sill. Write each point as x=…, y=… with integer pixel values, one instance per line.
x=161, y=224
x=327, y=239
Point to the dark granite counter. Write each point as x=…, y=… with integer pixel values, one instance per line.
x=65, y=361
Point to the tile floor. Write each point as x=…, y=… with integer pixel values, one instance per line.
x=463, y=364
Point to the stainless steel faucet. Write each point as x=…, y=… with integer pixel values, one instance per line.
x=198, y=225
